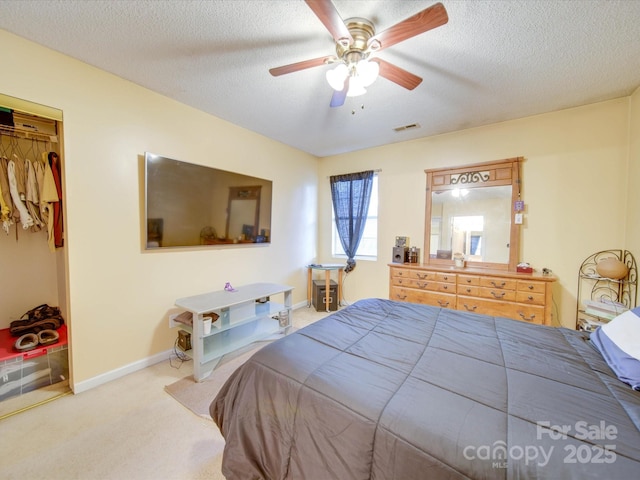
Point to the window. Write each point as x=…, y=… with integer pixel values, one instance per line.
x=467, y=236
x=368, y=248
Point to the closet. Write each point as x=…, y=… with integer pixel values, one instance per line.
x=33, y=261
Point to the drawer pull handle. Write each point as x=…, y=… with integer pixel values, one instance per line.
x=443, y=304
x=446, y=278
x=470, y=309
x=423, y=284
x=401, y=297
x=530, y=297
x=530, y=287
x=530, y=319
x=498, y=294
x=468, y=290
x=422, y=276
x=468, y=280
x=445, y=287
x=496, y=285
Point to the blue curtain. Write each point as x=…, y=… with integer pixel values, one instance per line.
x=350, y=194
x=475, y=240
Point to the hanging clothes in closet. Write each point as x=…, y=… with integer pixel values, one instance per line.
x=54, y=164
x=30, y=188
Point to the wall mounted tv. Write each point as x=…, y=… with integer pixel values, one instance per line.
x=192, y=205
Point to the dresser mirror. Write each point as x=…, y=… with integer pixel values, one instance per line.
x=470, y=214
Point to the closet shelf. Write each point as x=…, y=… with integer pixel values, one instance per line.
x=28, y=134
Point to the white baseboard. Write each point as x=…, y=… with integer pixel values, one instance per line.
x=120, y=372
x=132, y=367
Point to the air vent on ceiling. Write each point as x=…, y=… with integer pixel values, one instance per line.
x=411, y=126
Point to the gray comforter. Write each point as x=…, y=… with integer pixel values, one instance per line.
x=389, y=390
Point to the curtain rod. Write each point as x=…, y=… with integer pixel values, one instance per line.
x=377, y=170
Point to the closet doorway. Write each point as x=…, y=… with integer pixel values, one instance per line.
x=33, y=259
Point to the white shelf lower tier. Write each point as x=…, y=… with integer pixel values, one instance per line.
x=230, y=340
x=216, y=346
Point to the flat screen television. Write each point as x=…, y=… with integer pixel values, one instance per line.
x=190, y=205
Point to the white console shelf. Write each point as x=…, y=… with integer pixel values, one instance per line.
x=244, y=317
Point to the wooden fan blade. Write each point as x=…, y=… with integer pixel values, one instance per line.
x=397, y=75
x=339, y=96
x=294, y=67
x=330, y=18
x=431, y=17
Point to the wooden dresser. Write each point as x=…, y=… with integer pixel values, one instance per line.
x=521, y=296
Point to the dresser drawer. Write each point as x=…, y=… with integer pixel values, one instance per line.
x=470, y=290
x=446, y=287
x=495, y=293
x=433, y=286
x=497, y=282
x=428, y=298
x=446, y=277
x=468, y=280
x=531, y=286
x=528, y=313
x=424, y=284
x=413, y=283
x=401, y=281
x=421, y=275
x=530, y=298
x=400, y=272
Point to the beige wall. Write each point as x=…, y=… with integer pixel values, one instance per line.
x=574, y=187
x=633, y=200
x=119, y=295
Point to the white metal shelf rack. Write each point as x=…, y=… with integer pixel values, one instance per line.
x=246, y=315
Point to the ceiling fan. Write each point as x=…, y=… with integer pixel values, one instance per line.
x=357, y=45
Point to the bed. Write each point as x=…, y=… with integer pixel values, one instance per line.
x=392, y=390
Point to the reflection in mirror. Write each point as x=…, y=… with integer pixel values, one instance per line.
x=474, y=222
x=244, y=209
x=190, y=205
x=468, y=215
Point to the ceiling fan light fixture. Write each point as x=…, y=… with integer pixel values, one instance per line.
x=362, y=74
x=367, y=72
x=337, y=76
x=356, y=88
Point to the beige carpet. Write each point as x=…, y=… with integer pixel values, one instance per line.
x=197, y=396
x=128, y=428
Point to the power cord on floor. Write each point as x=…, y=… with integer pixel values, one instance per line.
x=179, y=354
x=342, y=301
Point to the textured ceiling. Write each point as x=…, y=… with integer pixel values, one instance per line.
x=493, y=61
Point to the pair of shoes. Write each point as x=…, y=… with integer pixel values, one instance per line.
x=43, y=317
x=29, y=341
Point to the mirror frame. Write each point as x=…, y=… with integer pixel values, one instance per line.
x=225, y=185
x=487, y=174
